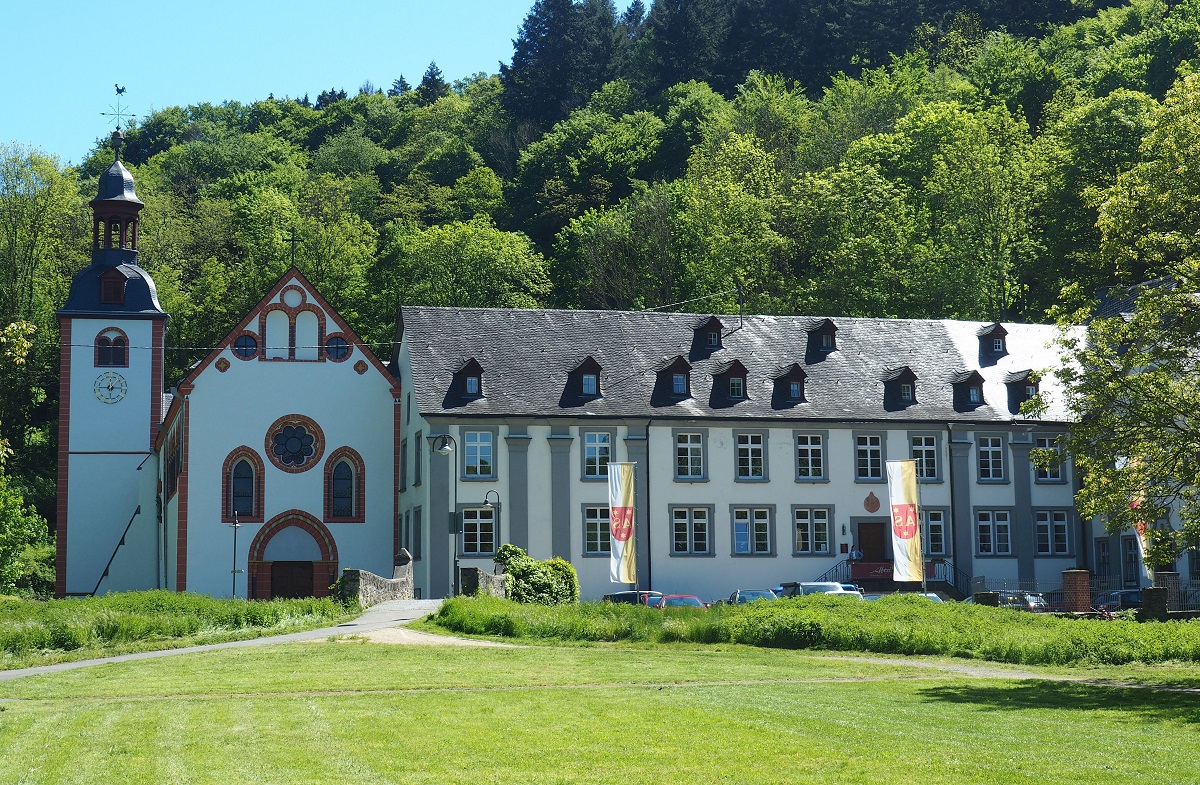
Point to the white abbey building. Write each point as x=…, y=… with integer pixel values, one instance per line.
x=760, y=444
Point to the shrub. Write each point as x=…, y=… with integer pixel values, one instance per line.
x=551, y=582
x=892, y=625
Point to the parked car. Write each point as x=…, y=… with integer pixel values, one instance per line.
x=1024, y=601
x=750, y=595
x=1119, y=600
x=679, y=601
x=927, y=595
x=816, y=587
x=633, y=597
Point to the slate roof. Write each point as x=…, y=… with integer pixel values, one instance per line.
x=528, y=355
x=141, y=295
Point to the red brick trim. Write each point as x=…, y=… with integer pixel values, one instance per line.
x=260, y=473
x=308, y=424
x=258, y=351
x=349, y=339
x=355, y=460
x=324, y=570
x=292, y=277
x=64, y=455
x=181, y=530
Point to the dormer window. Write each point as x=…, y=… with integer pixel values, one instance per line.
x=706, y=336
x=583, y=382
x=993, y=340
x=112, y=288
x=822, y=339
x=899, y=388
x=730, y=378
x=789, y=385
x=672, y=381
x=968, y=390
x=468, y=379
x=1022, y=386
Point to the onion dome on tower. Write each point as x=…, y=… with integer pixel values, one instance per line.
x=113, y=282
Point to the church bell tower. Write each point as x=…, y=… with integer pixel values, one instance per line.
x=110, y=404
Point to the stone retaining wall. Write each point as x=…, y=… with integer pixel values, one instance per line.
x=371, y=589
x=472, y=580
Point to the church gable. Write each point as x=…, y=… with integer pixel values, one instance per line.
x=292, y=323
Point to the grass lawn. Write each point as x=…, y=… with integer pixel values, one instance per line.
x=373, y=713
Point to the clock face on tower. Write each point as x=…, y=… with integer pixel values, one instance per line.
x=110, y=387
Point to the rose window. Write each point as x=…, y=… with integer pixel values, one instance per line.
x=295, y=443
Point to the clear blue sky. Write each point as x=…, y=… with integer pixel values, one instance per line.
x=61, y=59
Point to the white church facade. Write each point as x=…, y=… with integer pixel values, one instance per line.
x=291, y=451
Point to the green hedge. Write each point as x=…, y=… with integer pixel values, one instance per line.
x=892, y=625
x=29, y=626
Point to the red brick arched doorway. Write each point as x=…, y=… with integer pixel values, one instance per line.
x=272, y=577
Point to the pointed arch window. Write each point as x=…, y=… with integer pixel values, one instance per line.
x=345, y=495
x=242, y=487
x=112, y=348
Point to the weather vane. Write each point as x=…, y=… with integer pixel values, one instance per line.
x=120, y=114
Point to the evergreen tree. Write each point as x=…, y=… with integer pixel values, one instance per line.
x=399, y=87
x=432, y=86
x=562, y=55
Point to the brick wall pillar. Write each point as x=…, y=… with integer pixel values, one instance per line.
x=1170, y=581
x=1077, y=591
x=1154, y=604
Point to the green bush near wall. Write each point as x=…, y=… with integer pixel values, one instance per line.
x=550, y=582
x=892, y=625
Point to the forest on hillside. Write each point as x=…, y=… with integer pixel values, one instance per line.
x=980, y=160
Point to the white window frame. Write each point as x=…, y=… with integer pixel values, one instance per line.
x=750, y=456
x=989, y=463
x=691, y=444
x=993, y=533
x=1052, y=532
x=808, y=452
x=691, y=527
x=679, y=383
x=479, y=529
x=596, y=454
x=597, y=530
x=925, y=448
x=933, y=522
x=812, y=527
x=1052, y=474
x=737, y=387
x=870, y=457
x=590, y=384
x=472, y=385
x=753, y=530
x=477, y=451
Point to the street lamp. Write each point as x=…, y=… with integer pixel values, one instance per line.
x=444, y=444
x=235, y=526
x=494, y=507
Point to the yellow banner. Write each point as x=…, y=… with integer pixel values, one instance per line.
x=906, y=521
x=622, y=565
